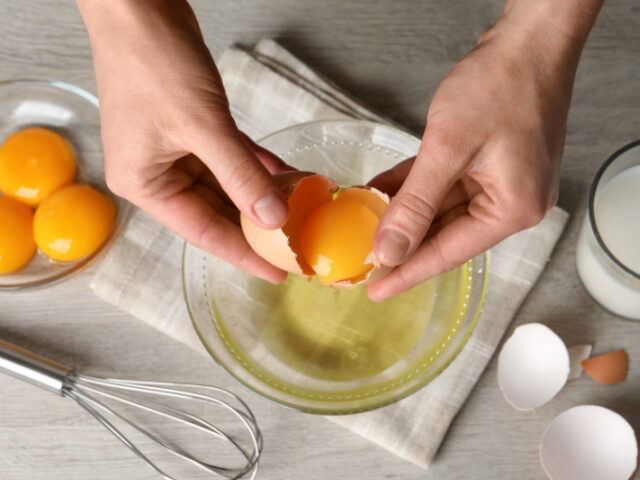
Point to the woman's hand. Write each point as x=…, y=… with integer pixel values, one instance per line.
x=170, y=144
x=489, y=161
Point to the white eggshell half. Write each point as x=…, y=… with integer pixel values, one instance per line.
x=532, y=367
x=589, y=443
x=577, y=354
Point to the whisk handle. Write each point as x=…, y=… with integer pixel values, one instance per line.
x=32, y=368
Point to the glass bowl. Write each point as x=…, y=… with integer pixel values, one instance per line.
x=73, y=113
x=322, y=350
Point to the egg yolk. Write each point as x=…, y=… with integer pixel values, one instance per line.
x=16, y=234
x=73, y=222
x=33, y=163
x=337, y=240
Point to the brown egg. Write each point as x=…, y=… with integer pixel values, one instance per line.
x=329, y=232
x=608, y=368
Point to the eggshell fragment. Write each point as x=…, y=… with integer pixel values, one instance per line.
x=577, y=354
x=533, y=366
x=589, y=443
x=608, y=368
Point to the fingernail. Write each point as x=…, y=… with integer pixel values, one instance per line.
x=392, y=247
x=271, y=209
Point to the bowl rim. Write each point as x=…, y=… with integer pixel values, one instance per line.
x=122, y=213
x=354, y=121
x=69, y=87
x=349, y=410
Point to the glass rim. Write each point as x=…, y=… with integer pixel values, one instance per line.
x=69, y=87
x=591, y=208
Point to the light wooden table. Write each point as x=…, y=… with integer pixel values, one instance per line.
x=392, y=54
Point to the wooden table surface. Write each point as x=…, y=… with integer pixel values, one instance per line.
x=392, y=54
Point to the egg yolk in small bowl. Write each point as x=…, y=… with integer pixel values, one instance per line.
x=73, y=222
x=16, y=234
x=34, y=162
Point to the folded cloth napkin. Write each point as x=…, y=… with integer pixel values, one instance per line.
x=270, y=89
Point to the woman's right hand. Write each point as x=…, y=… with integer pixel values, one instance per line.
x=170, y=144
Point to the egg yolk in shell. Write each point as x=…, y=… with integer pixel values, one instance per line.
x=328, y=233
x=16, y=234
x=34, y=162
x=336, y=240
x=73, y=222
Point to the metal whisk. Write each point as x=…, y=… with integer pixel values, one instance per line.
x=90, y=393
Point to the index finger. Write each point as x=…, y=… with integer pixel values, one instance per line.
x=195, y=217
x=240, y=173
x=391, y=180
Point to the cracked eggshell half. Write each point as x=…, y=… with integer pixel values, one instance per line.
x=533, y=366
x=589, y=443
x=305, y=192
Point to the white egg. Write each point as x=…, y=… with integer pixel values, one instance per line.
x=589, y=443
x=533, y=366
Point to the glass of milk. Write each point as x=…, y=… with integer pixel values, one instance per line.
x=608, y=251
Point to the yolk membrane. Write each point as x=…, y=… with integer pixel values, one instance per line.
x=73, y=222
x=337, y=239
x=16, y=234
x=33, y=163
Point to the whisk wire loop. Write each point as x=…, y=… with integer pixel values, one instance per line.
x=160, y=388
x=83, y=400
x=83, y=389
x=99, y=396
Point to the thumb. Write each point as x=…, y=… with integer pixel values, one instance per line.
x=406, y=221
x=241, y=174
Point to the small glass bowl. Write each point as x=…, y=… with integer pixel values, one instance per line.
x=281, y=355
x=73, y=113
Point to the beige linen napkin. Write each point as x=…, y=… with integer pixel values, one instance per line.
x=270, y=89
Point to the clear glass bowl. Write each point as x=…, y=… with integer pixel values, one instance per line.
x=318, y=349
x=73, y=113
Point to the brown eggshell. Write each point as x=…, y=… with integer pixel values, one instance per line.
x=288, y=181
x=607, y=369
x=377, y=203
x=305, y=192
x=272, y=245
